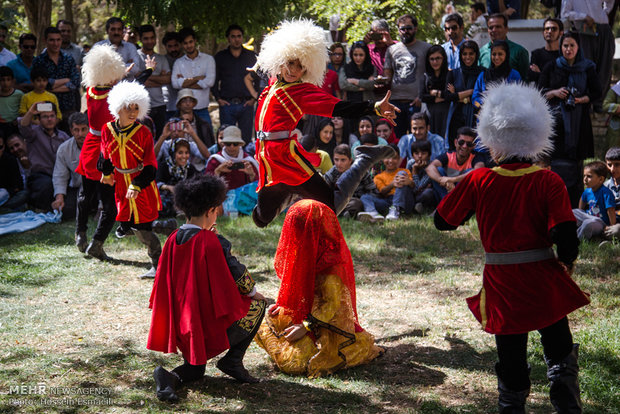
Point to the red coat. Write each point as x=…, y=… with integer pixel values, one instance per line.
x=516, y=205
x=280, y=107
x=126, y=150
x=194, y=299
x=98, y=115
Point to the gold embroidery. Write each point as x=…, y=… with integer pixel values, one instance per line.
x=245, y=283
x=298, y=159
x=253, y=318
x=516, y=173
x=483, y=308
x=97, y=97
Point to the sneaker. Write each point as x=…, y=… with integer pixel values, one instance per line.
x=393, y=214
x=370, y=217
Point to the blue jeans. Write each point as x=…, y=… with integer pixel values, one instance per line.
x=440, y=192
x=204, y=114
x=241, y=115
x=372, y=203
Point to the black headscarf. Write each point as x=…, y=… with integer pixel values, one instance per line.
x=470, y=73
x=433, y=81
x=501, y=72
x=355, y=72
x=329, y=147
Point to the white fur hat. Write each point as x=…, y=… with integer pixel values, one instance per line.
x=515, y=121
x=295, y=39
x=126, y=93
x=102, y=66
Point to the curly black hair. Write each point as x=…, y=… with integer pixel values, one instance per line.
x=197, y=195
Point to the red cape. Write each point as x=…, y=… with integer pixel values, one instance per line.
x=194, y=299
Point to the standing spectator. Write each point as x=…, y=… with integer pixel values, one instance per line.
x=478, y=29
x=499, y=71
x=455, y=31
x=66, y=181
x=114, y=28
x=39, y=80
x=420, y=132
x=498, y=30
x=596, y=39
x=172, y=43
x=159, y=77
x=336, y=57
x=552, y=30
x=509, y=8
x=358, y=77
x=432, y=88
x=196, y=71
x=66, y=33
x=570, y=84
x=5, y=54
x=43, y=142
x=404, y=65
x=235, y=100
x=10, y=99
x=611, y=105
x=61, y=69
x=378, y=40
x=22, y=65
x=12, y=191
x=233, y=164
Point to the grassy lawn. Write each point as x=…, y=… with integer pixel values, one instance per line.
x=70, y=321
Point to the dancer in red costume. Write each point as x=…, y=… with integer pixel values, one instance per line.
x=128, y=161
x=295, y=56
x=522, y=210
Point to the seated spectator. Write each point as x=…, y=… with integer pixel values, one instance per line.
x=13, y=195
x=366, y=126
x=385, y=130
x=186, y=102
x=309, y=143
x=342, y=162
x=18, y=148
x=420, y=132
x=612, y=158
x=218, y=146
x=499, y=71
x=323, y=135
x=233, y=164
x=180, y=128
x=43, y=142
x=416, y=194
x=375, y=207
x=450, y=168
x=9, y=102
x=357, y=80
x=176, y=168
x=432, y=88
x=22, y=65
x=342, y=131
x=597, y=207
x=66, y=181
x=39, y=79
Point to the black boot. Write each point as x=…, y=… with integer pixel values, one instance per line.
x=232, y=363
x=95, y=249
x=167, y=383
x=365, y=158
x=564, y=383
x=510, y=401
x=153, y=249
x=81, y=241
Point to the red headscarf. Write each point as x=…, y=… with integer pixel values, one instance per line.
x=392, y=139
x=311, y=242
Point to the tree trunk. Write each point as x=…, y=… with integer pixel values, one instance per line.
x=69, y=17
x=39, y=14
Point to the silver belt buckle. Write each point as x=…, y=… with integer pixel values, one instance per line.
x=261, y=135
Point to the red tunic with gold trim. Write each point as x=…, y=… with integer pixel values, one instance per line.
x=280, y=107
x=98, y=115
x=516, y=205
x=127, y=149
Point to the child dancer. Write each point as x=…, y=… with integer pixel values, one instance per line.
x=294, y=56
x=204, y=301
x=521, y=211
x=128, y=160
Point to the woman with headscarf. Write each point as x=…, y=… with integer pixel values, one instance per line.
x=358, y=76
x=176, y=168
x=313, y=327
x=499, y=71
x=432, y=88
x=460, y=88
x=570, y=84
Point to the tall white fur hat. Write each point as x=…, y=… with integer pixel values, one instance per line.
x=127, y=93
x=515, y=121
x=102, y=66
x=295, y=39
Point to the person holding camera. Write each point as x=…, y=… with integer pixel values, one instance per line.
x=182, y=128
x=232, y=163
x=570, y=83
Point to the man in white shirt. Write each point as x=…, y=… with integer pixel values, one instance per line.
x=196, y=71
x=596, y=40
x=5, y=54
x=114, y=27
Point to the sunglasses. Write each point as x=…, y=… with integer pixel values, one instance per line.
x=405, y=28
x=28, y=47
x=448, y=28
x=228, y=144
x=462, y=142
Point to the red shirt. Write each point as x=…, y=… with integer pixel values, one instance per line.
x=330, y=83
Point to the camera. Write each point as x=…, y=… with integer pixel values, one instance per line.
x=176, y=124
x=237, y=166
x=572, y=94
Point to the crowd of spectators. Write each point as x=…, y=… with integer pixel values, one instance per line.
x=438, y=89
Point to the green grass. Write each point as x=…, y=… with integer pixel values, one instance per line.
x=70, y=321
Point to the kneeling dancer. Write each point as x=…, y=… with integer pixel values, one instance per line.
x=522, y=210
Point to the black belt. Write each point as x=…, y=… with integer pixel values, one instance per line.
x=237, y=101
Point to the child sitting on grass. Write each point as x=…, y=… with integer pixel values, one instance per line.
x=612, y=158
x=597, y=208
x=204, y=301
x=419, y=195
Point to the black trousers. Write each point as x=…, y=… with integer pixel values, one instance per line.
x=557, y=342
x=94, y=190
x=273, y=199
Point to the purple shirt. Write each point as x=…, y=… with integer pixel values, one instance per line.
x=41, y=146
